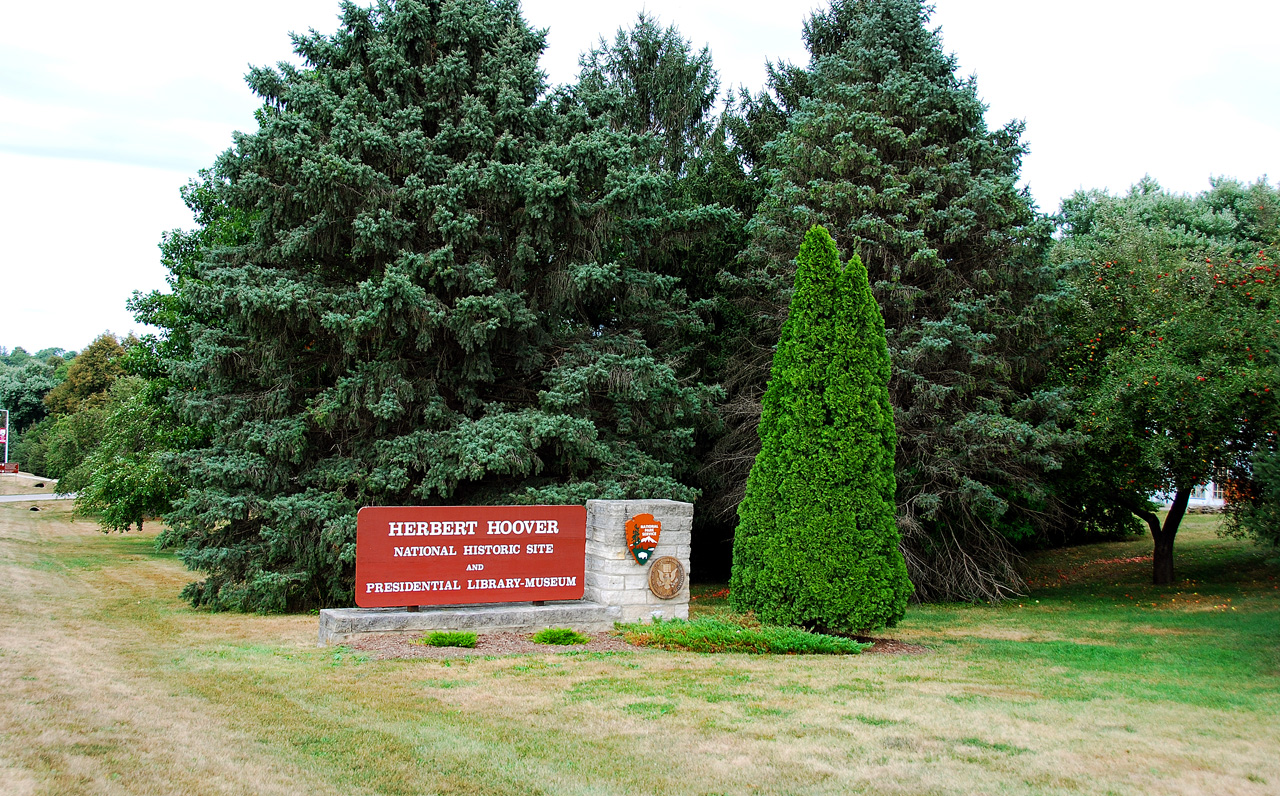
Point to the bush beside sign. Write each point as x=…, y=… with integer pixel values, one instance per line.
x=461, y=555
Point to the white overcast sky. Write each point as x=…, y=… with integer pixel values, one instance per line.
x=106, y=109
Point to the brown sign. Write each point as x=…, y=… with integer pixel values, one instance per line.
x=666, y=577
x=642, y=532
x=459, y=555
x=9, y=467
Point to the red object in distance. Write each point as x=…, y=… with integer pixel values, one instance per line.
x=462, y=555
x=12, y=467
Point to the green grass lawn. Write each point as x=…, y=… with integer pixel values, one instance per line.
x=1094, y=683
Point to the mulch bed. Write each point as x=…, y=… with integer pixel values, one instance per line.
x=400, y=645
x=891, y=646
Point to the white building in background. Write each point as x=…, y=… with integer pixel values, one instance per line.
x=1204, y=497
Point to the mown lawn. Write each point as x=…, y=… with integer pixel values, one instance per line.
x=1094, y=683
x=12, y=484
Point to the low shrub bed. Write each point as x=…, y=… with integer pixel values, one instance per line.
x=449, y=638
x=711, y=634
x=562, y=636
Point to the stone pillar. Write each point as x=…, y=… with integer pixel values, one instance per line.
x=613, y=578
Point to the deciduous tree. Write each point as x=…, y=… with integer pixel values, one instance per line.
x=124, y=478
x=89, y=375
x=23, y=387
x=1175, y=348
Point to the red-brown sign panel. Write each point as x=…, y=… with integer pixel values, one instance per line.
x=10, y=467
x=459, y=555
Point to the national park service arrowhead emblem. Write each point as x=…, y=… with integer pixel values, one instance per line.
x=642, y=536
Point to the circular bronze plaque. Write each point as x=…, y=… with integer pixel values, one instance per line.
x=666, y=577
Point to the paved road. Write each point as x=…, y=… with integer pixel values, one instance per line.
x=22, y=498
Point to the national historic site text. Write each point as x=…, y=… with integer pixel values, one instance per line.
x=481, y=583
x=454, y=555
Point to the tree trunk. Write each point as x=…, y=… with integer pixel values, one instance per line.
x=1162, y=559
x=1153, y=521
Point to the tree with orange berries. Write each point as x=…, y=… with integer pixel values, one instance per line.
x=1174, y=355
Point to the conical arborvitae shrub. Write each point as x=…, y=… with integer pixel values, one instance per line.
x=817, y=544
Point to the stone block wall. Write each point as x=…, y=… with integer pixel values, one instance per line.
x=613, y=578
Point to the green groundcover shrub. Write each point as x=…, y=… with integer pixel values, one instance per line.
x=449, y=638
x=709, y=634
x=562, y=636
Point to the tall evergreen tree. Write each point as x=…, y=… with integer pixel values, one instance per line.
x=444, y=295
x=817, y=543
x=650, y=81
x=659, y=86
x=888, y=148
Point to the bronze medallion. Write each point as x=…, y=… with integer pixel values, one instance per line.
x=666, y=577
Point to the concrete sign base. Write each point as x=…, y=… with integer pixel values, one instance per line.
x=338, y=625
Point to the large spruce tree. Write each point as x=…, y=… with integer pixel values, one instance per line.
x=883, y=144
x=444, y=294
x=656, y=83
x=650, y=80
x=817, y=542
